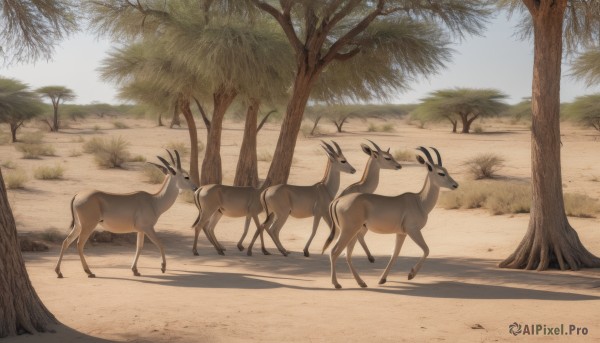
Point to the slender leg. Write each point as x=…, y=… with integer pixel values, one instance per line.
x=240, y=246
x=259, y=231
x=340, y=245
x=271, y=233
x=417, y=237
x=210, y=230
x=66, y=244
x=316, y=221
x=262, y=240
x=399, y=241
x=363, y=244
x=202, y=221
x=138, y=250
x=83, y=237
x=154, y=238
x=276, y=229
x=349, y=250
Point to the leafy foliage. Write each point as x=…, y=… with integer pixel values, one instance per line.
x=585, y=110
x=17, y=103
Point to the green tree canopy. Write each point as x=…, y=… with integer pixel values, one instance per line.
x=461, y=104
x=17, y=104
x=585, y=110
x=57, y=96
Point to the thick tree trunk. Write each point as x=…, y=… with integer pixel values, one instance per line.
x=193, y=132
x=211, y=165
x=246, y=173
x=160, y=123
x=284, y=151
x=21, y=310
x=466, y=125
x=550, y=242
x=175, y=119
x=13, y=131
x=55, y=121
x=454, y=125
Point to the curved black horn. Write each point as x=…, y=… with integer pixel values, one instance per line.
x=437, y=153
x=427, y=154
x=339, y=150
x=171, y=155
x=178, y=160
x=167, y=165
x=329, y=147
x=375, y=145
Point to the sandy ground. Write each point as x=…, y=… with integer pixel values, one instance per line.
x=459, y=295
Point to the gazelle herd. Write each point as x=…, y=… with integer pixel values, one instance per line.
x=349, y=215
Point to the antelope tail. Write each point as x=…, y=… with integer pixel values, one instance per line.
x=72, y=213
x=197, y=202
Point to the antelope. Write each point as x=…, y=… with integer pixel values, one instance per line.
x=368, y=183
x=214, y=201
x=122, y=213
x=403, y=215
x=281, y=201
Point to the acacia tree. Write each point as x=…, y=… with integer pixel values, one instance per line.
x=461, y=104
x=323, y=33
x=57, y=95
x=586, y=111
x=17, y=104
x=521, y=110
x=29, y=31
x=550, y=241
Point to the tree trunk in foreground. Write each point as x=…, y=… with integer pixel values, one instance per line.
x=211, y=165
x=284, y=151
x=21, y=310
x=193, y=132
x=550, y=242
x=246, y=173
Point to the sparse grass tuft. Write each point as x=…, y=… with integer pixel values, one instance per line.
x=265, y=156
x=137, y=158
x=49, y=173
x=404, y=155
x=120, y=125
x=35, y=150
x=153, y=174
x=8, y=164
x=380, y=128
x=502, y=197
x=74, y=153
x=108, y=153
x=16, y=179
x=484, y=166
x=478, y=129
x=181, y=147
x=32, y=138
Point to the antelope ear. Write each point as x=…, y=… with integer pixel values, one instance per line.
x=366, y=149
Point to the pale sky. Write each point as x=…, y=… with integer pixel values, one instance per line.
x=495, y=60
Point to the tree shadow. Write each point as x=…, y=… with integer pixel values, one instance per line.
x=61, y=333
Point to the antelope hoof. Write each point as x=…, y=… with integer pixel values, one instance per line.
x=306, y=253
x=362, y=284
x=59, y=275
x=337, y=285
x=91, y=275
x=220, y=252
x=371, y=259
x=240, y=247
x=136, y=273
x=412, y=274
x=163, y=267
x=196, y=253
x=382, y=281
x=265, y=252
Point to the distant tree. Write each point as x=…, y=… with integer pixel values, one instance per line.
x=17, y=104
x=461, y=104
x=29, y=31
x=57, y=95
x=521, y=110
x=585, y=110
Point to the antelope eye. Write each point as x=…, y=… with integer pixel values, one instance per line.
x=186, y=177
x=343, y=161
x=441, y=174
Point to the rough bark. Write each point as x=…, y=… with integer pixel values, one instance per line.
x=21, y=310
x=193, y=133
x=550, y=241
x=175, y=119
x=246, y=173
x=211, y=165
x=284, y=151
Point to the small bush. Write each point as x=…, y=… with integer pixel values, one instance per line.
x=52, y=235
x=181, y=147
x=9, y=164
x=32, y=138
x=120, y=125
x=137, y=158
x=387, y=128
x=153, y=174
x=265, y=156
x=478, y=129
x=35, y=150
x=579, y=205
x=15, y=179
x=484, y=166
x=49, y=173
x=108, y=153
x=405, y=155
x=380, y=128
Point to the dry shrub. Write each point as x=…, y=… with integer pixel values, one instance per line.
x=404, y=155
x=49, y=173
x=32, y=138
x=8, y=164
x=153, y=174
x=484, y=166
x=108, y=153
x=181, y=147
x=28, y=244
x=74, y=153
x=265, y=156
x=380, y=128
x=35, y=150
x=120, y=125
x=52, y=235
x=15, y=179
x=501, y=197
x=478, y=129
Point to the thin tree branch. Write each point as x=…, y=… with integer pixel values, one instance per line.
x=203, y=114
x=264, y=120
x=285, y=21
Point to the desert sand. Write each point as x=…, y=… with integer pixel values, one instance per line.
x=459, y=295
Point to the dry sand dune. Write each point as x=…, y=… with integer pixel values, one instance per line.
x=459, y=295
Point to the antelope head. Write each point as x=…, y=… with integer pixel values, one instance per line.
x=181, y=176
x=384, y=159
x=337, y=158
x=438, y=174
